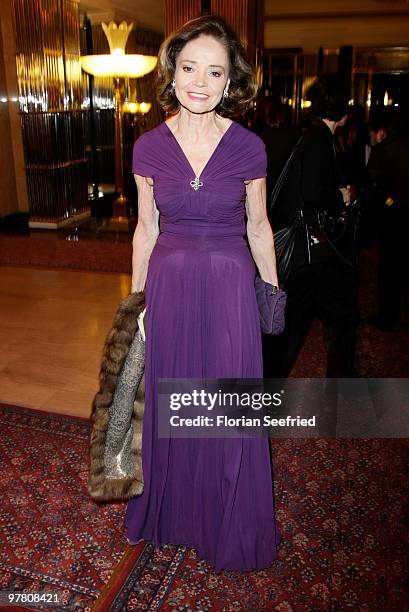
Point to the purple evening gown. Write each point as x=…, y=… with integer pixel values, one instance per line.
x=213, y=495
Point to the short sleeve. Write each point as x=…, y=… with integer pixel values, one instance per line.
x=141, y=156
x=256, y=166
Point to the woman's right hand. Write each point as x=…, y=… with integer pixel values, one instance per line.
x=141, y=323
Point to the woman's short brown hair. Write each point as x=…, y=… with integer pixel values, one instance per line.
x=243, y=85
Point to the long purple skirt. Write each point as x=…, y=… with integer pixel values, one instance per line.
x=214, y=495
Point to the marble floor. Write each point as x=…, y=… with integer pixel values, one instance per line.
x=53, y=324
x=52, y=330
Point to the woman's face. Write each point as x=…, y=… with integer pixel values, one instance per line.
x=202, y=70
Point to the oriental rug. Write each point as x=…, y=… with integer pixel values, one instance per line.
x=341, y=506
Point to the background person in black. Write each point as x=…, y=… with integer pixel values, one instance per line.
x=279, y=138
x=354, y=144
x=327, y=286
x=388, y=169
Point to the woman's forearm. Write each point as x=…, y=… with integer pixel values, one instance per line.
x=261, y=243
x=142, y=246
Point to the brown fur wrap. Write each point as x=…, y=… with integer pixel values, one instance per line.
x=117, y=344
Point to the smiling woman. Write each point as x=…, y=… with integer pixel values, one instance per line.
x=242, y=86
x=201, y=172
x=197, y=79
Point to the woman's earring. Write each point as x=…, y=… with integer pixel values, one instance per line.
x=173, y=84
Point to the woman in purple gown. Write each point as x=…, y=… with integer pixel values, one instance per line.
x=202, y=172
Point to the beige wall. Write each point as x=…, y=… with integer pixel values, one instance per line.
x=13, y=189
x=334, y=24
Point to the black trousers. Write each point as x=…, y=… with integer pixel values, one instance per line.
x=392, y=263
x=327, y=290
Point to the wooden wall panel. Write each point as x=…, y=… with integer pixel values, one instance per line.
x=236, y=13
x=13, y=190
x=180, y=11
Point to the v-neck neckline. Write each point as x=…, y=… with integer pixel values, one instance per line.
x=211, y=156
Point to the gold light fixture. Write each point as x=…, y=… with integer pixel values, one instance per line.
x=137, y=107
x=131, y=66
x=119, y=65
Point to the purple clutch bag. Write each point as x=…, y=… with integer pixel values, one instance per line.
x=271, y=305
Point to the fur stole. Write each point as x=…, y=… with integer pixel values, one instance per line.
x=117, y=410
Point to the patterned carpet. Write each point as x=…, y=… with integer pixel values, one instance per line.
x=54, y=537
x=344, y=541
x=341, y=505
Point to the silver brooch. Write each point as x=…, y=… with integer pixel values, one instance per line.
x=196, y=184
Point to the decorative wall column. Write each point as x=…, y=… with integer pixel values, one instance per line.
x=179, y=11
x=50, y=96
x=13, y=188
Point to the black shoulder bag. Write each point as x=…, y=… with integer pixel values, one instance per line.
x=338, y=231
x=284, y=238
